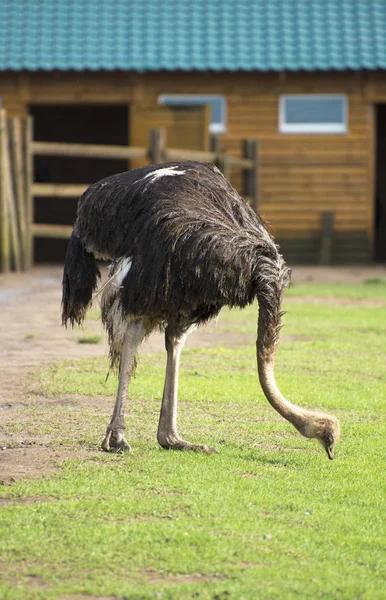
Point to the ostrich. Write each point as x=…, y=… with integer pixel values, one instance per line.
x=182, y=244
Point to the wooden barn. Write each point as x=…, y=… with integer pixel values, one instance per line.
x=306, y=79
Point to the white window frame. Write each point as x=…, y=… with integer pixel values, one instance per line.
x=202, y=100
x=312, y=127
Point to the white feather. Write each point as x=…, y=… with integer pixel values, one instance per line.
x=123, y=269
x=165, y=172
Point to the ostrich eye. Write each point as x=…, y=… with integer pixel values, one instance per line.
x=329, y=438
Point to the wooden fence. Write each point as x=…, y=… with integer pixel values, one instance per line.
x=16, y=209
x=17, y=188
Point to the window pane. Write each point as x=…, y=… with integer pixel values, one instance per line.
x=314, y=110
x=216, y=104
x=217, y=111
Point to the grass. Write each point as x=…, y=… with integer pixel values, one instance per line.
x=268, y=517
x=375, y=281
x=89, y=339
x=30, y=336
x=373, y=287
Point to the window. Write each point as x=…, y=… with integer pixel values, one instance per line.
x=313, y=113
x=217, y=105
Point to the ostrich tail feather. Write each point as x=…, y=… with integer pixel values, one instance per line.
x=80, y=278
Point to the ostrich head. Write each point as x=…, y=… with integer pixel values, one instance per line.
x=320, y=426
x=324, y=428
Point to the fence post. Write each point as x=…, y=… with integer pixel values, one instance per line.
x=224, y=164
x=27, y=137
x=251, y=175
x=18, y=174
x=221, y=160
x=215, y=146
x=326, y=238
x=11, y=195
x=157, y=145
x=4, y=210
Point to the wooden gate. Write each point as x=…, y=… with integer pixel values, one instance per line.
x=18, y=228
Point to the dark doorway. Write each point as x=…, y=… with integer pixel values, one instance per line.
x=380, y=183
x=86, y=124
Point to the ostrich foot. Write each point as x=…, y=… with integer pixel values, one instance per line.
x=174, y=442
x=115, y=441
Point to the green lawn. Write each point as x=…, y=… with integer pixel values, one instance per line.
x=268, y=517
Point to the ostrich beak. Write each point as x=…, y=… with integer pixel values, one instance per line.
x=330, y=452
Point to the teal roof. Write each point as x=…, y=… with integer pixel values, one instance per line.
x=218, y=35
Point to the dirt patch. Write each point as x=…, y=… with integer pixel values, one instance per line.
x=27, y=500
x=178, y=578
x=36, y=583
x=87, y=597
x=366, y=302
x=352, y=274
x=32, y=461
x=30, y=581
x=249, y=565
x=31, y=334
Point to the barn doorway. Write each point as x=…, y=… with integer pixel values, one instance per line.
x=380, y=185
x=87, y=124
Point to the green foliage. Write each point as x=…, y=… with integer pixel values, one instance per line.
x=268, y=517
x=375, y=281
x=89, y=339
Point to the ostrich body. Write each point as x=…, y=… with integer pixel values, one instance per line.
x=183, y=244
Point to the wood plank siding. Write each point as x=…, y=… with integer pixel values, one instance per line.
x=301, y=176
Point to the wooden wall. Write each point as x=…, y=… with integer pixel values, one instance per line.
x=301, y=176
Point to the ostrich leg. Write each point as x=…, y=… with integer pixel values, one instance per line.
x=167, y=435
x=115, y=434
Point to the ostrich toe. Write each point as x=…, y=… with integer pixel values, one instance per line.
x=115, y=441
x=176, y=443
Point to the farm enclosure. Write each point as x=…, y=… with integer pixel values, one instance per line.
x=41, y=180
x=302, y=176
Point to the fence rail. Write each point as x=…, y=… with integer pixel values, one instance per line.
x=58, y=190
x=18, y=190
x=87, y=150
x=170, y=154
x=48, y=230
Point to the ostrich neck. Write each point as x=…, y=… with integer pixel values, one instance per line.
x=299, y=417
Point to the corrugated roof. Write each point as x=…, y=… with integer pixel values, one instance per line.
x=152, y=35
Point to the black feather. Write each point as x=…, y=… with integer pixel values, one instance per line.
x=80, y=279
x=195, y=246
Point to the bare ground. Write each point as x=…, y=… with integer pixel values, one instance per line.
x=31, y=335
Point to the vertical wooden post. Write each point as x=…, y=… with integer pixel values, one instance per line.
x=215, y=146
x=221, y=160
x=27, y=135
x=326, y=238
x=157, y=145
x=224, y=165
x=4, y=210
x=18, y=176
x=251, y=176
x=12, y=212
